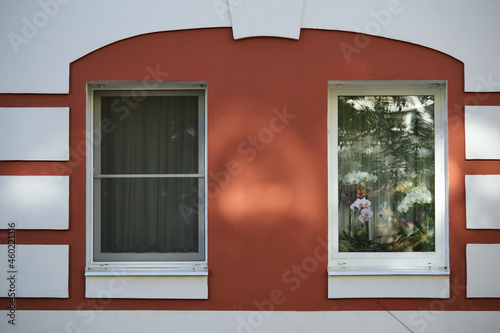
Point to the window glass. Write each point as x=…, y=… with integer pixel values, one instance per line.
x=141, y=215
x=148, y=176
x=158, y=135
x=386, y=173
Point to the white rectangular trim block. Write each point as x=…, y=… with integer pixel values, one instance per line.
x=483, y=271
x=34, y=202
x=389, y=286
x=144, y=287
x=278, y=18
x=482, y=193
x=34, y=134
x=37, y=271
x=482, y=133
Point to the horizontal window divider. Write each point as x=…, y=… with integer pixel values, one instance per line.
x=173, y=175
x=353, y=271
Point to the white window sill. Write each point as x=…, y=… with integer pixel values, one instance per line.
x=389, y=271
x=194, y=271
x=141, y=283
x=389, y=283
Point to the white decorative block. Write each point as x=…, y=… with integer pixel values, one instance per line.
x=39, y=271
x=34, y=134
x=147, y=287
x=34, y=202
x=483, y=270
x=482, y=132
x=482, y=196
x=275, y=18
x=389, y=286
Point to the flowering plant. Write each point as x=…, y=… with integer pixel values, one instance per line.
x=416, y=195
x=405, y=213
x=386, y=159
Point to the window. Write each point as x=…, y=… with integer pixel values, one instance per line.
x=387, y=177
x=148, y=174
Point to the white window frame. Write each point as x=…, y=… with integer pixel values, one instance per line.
x=166, y=278
x=342, y=264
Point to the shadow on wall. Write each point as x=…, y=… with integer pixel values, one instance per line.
x=261, y=169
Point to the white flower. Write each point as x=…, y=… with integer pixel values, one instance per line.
x=417, y=195
x=404, y=186
x=358, y=178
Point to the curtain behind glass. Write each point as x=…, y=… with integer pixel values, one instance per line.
x=386, y=173
x=159, y=135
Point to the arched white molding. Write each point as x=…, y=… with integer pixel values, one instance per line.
x=40, y=39
x=467, y=30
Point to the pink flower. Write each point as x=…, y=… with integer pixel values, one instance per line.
x=366, y=214
x=406, y=223
x=361, y=203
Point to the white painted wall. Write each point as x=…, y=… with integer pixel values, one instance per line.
x=483, y=270
x=433, y=320
x=37, y=271
x=34, y=202
x=40, y=134
x=41, y=38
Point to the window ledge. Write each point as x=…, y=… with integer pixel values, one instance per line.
x=147, y=283
x=194, y=271
x=388, y=283
x=375, y=271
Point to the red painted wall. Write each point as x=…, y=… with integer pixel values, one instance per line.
x=267, y=161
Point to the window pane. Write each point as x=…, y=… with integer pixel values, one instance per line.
x=386, y=173
x=148, y=215
x=149, y=135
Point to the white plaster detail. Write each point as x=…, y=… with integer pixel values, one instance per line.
x=482, y=124
x=34, y=202
x=389, y=286
x=433, y=24
x=41, y=38
x=482, y=193
x=144, y=287
x=483, y=270
x=38, y=271
x=40, y=134
x=276, y=18
x=434, y=320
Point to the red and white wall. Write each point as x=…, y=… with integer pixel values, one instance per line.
x=267, y=234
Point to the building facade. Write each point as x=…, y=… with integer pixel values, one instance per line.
x=227, y=166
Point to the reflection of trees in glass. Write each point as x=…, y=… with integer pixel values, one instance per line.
x=391, y=138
